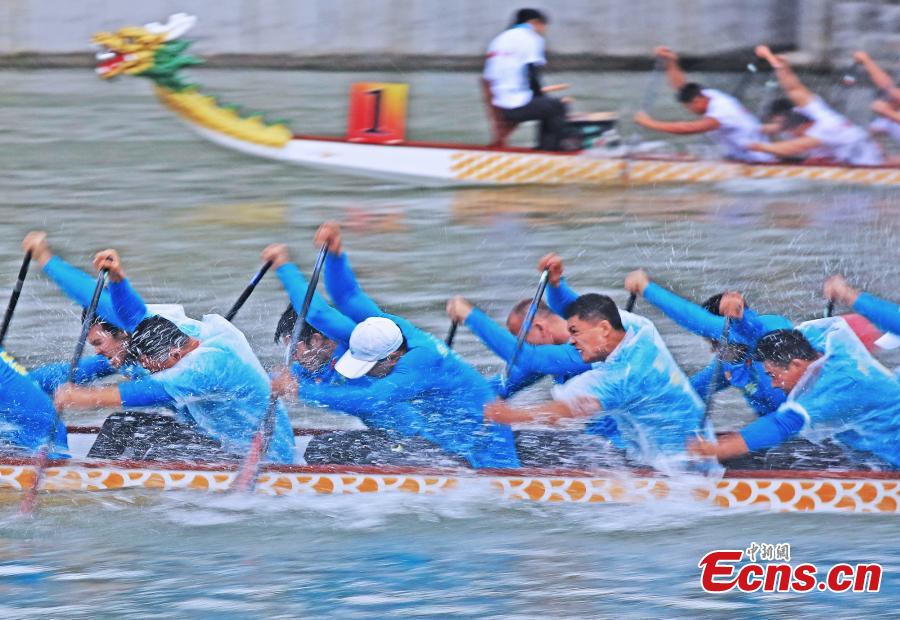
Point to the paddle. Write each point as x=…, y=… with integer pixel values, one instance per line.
x=451, y=334
x=247, y=291
x=14, y=298
x=829, y=309
x=30, y=497
x=652, y=85
x=629, y=305
x=746, y=78
x=259, y=446
x=717, y=365
x=526, y=324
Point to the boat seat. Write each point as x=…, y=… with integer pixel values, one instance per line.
x=500, y=127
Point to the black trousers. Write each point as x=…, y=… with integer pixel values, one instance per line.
x=800, y=454
x=377, y=447
x=144, y=436
x=550, y=112
x=567, y=449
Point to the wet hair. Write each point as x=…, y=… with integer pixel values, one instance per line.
x=155, y=337
x=594, y=308
x=521, y=308
x=795, y=119
x=782, y=346
x=114, y=330
x=526, y=15
x=286, y=326
x=689, y=92
x=712, y=304
x=779, y=107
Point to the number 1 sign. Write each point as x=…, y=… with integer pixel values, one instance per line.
x=377, y=112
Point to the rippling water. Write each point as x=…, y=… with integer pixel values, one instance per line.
x=100, y=165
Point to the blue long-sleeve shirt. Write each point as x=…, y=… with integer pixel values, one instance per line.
x=884, y=314
x=752, y=380
x=91, y=368
x=26, y=411
x=430, y=392
x=79, y=286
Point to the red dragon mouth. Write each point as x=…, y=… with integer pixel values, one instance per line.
x=108, y=61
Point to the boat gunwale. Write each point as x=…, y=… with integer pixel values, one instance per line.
x=456, y=146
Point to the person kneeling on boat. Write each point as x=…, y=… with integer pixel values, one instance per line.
x=836, y=390
x=819, y=132
x=512, y=70
x=209, y=378
x=724, y=118
x=633, y=378
x=27, y=415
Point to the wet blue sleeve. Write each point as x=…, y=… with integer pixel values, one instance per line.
x=701, y=380
x=884, y=314
x=129, y=306
x=144, y=393
x=559, y=297
x=772, y=429
x=543, y=359
x=405, y=381
x=79, y=286
x=321, y=316
x=517, y=381
x=51, y=376
x=753, y=326
x=345, y=292
x=687, y=314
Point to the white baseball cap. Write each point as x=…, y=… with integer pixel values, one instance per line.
x=372, y=340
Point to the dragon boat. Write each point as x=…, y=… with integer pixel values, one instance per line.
x=795, y=491
x=156, y=51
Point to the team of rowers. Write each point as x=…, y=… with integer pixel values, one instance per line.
x=800, y=126
x=618, y=390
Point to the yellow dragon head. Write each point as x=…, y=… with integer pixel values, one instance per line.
x=151, y=51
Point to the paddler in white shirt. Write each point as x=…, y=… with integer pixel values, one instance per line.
x=723, y=118
x=888, y=106
x=819, y=132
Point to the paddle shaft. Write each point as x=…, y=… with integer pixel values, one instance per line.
x=29, y=499
x=247, y=291
x=829, y=309
x=652, y=86
x=14, y=298
x=629, y=305
x=717, y=366
x=259, y=446
x=526, y=324
x=451, y=334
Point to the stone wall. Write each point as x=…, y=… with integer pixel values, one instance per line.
x=409, y=34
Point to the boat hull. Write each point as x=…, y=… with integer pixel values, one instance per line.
x=442, y=165
x=867, y=492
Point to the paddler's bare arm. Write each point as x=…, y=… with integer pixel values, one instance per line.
x=886, y=110
x=676, y=76
x=879, y=76
x=729, y=446
x=551, y=412
x=676, y=127
x=799, y=94
x=552, y=88
x=786, y=148
x=69, y=396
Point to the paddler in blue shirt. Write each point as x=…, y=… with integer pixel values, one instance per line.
x=203, y=371
x=735, y=367
x=416, y=386
x=26, y=412
x=883, y=313
x=835, y=388
x=633, y=378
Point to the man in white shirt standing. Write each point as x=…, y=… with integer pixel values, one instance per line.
x=819, y=132
x=724, y=119
x=512, y=69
